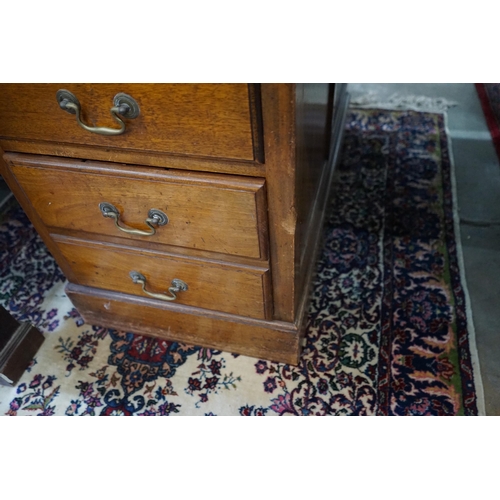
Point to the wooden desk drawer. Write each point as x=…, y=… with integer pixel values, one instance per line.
x=208, y=120
x=221, y=287
x=211, y=212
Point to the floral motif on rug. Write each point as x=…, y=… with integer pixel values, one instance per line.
x=387, y=326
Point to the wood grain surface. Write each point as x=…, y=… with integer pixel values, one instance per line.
x=224, y=214
x=278, y=110
x=221, y=287
x=210, y=120
x=265, y=340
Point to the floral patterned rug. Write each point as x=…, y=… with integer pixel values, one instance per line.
x=388, y=328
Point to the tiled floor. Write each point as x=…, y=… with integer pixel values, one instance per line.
x=478, y=190
x=478, y=187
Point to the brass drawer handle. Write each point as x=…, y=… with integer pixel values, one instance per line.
x=124, y=105
x=177, y=286
x=155, y=216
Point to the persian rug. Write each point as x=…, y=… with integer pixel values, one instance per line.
x=388, y=332
x=489, y=95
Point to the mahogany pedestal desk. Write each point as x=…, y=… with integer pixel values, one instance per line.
x=190, y=212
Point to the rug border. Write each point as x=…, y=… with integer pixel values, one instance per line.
x=474, y=355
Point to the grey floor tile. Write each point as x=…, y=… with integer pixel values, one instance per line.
x=481, y=249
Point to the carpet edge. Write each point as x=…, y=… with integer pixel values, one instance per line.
x=476, y=367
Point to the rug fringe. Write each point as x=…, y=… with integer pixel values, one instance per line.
x=402, y=102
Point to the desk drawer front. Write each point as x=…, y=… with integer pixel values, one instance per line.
x=220, y=287
x=207, y=120
x=127, y=313
x=215, y=213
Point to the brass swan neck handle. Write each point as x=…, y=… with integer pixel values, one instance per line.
x=155, y=216
x=124, y=105
x=177, y=286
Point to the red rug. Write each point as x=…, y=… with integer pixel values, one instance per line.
x=489, y=95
